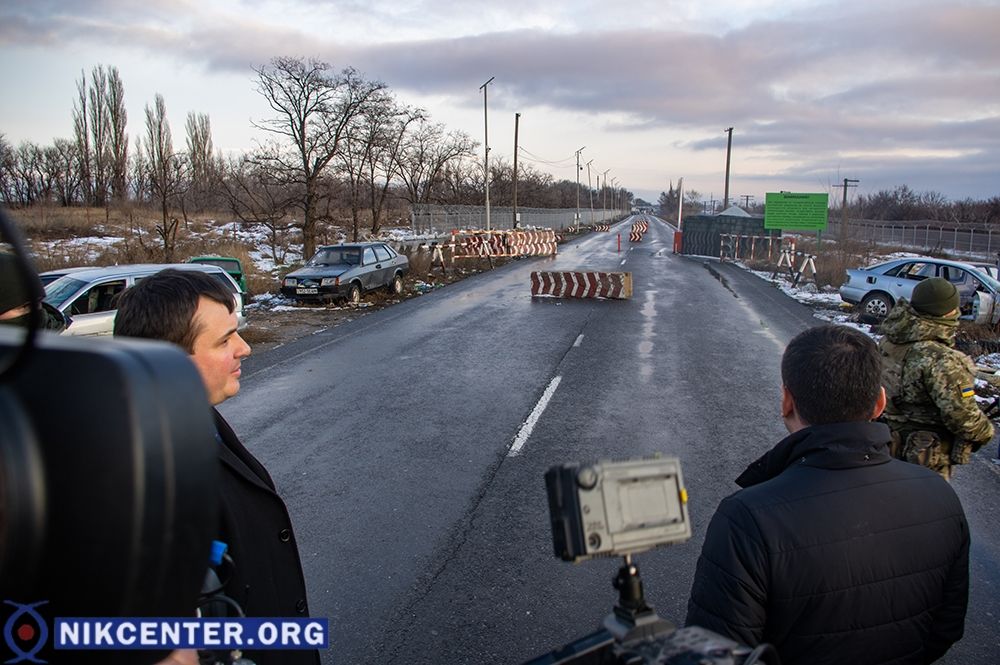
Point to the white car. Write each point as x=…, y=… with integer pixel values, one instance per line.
x=87, y=296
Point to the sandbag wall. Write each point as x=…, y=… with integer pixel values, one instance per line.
x=701, y=235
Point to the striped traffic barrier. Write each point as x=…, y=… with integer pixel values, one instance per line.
x=616, y=285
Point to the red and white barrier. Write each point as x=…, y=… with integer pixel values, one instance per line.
x=582, y=284
x=638, y=230
x=504, y=243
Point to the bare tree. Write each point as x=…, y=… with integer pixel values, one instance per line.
x=81, y=132
x=139, y=170
x=66, y=164
x=7, y=193
x=312, y=111
x=29, y=173
x=368, y=153
x=257, y=198
x=381, y=167
x=204, y=174
x=100, y=135
x=166, y=172
x=425, y=155
x=118, y=139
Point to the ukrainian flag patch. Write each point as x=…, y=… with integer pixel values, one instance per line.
x=968, y=392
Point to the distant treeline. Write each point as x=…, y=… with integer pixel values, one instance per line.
x=336, y=142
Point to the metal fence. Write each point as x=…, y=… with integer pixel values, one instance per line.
x=977, y=242
x=443, y=219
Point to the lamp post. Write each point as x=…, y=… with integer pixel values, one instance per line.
x=590, y=191
x=578, y=187
x=604, y=198
x=486, y=157
x=517, y=119
x=729, y=152
x=614, y=196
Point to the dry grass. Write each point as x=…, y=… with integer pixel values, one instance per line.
x=257, y=335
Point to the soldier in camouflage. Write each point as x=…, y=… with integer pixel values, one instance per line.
x=931, y=406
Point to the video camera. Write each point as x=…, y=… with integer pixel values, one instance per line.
x=108, y=471
x=623, y=508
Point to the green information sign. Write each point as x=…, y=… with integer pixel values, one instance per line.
x=786, y=210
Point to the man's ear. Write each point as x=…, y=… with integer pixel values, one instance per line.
x=879, y=403
x=787, y=403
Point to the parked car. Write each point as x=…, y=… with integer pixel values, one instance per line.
x=877, y=288
x=53, y=275
x=346, y=272
x=88, y=296
x=230, y=264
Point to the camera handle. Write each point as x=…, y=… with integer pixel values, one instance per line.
x=633, y=618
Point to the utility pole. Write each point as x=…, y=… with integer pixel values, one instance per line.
x=517, y=118
x=614, y=196
x=680, y=202
x=729, y=152
x=604, y=197
x=590, y=190
x=578, y=187
x=486, y=159
x=843, y=211
x=746, y=200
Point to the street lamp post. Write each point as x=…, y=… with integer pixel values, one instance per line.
x=578, y=187
x=604, y=198
x=729, y=152
x=590, y=191
x=486, y=158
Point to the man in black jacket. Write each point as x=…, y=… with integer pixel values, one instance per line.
x=196, y=312
x=834, y=552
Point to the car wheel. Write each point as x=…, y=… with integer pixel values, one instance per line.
x=396, y=285
x=876, y=305
x=354, y=295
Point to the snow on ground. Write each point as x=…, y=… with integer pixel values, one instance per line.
x=92, y=246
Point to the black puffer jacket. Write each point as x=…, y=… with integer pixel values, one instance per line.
x=836, y=553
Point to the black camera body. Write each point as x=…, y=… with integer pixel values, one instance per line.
x=108, y=469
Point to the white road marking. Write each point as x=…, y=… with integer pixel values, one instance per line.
x=536, y=413
x=622, y=263
x=648, y=333
x=579, y=341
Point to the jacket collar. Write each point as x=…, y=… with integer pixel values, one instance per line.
x=233, y=454
x=835, y=446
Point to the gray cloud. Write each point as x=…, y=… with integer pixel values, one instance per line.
x=814, y=87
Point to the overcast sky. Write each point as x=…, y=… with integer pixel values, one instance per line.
x=891, y=92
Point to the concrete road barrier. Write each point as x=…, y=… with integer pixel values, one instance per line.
x=616, y=285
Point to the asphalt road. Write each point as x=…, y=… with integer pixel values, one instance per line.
x=425, y=541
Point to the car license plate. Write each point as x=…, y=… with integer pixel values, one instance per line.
x=306, y=292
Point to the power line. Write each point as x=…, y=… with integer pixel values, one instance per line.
x=567, y=161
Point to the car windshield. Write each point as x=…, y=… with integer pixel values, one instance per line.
x=59, y=291
x=987, y=279
x=333, y=256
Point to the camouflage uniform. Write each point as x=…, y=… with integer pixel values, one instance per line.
x=931, y=406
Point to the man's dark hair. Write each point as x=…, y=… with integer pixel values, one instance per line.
x=834, y=374
x=162, y=306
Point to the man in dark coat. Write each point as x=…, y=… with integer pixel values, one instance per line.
x=196, y=312
x=834, y=552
